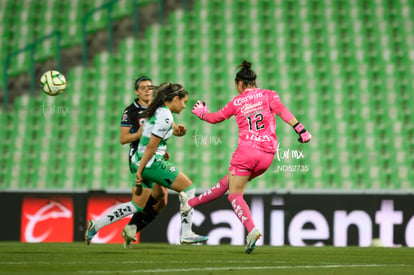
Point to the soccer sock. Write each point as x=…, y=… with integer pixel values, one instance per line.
x=187, y=219
x=118, y=212
x=211, y=194
x=241, y=209
x=143, y=218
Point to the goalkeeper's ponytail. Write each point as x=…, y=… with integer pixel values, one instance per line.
x=246, y=74
x=165, y=92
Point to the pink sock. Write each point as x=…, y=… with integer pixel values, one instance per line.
x=242, y=211
x=211, y=194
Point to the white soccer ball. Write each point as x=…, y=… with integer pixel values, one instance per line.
x=53, y=83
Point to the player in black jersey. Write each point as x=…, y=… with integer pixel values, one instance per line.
x=131, y=118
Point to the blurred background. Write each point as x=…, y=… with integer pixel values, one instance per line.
x=345, y=68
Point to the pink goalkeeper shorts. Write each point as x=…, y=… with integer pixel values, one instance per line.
x=247, y=161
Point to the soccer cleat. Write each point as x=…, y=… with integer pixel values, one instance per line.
x=129, y=233
x=193, y=238
x=251, y=240
x=90, y=232
x=184, y=206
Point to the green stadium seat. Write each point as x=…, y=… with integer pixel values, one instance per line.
x=99, y=19
x=123, y=8
x=5, y=148
x=342, y=67
x=47, y=25
x=72, y=18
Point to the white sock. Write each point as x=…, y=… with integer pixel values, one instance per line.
x=187, y=219
x=115, y=214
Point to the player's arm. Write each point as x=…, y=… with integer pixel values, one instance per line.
x=200, y=110
x=148, y=154
x=128, y=137
x=277, y=106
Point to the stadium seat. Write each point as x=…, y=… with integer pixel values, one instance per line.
x=74, y=12
x=342, y=67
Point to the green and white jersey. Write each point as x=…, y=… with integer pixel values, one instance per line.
x=160, y=125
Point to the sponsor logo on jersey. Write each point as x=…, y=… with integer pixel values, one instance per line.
x=251, y=108
x=258, y=138
x=241, y=100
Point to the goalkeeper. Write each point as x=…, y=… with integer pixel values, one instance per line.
x=254, y=109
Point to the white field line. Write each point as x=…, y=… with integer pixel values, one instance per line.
x=166, y=270
x=138, y=262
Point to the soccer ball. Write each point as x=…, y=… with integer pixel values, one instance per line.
x=53, y=83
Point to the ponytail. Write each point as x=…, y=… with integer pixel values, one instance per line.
x=246, y=74
x=164, y=93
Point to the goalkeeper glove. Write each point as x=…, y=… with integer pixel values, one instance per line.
x=200, y=109
x=304, y=135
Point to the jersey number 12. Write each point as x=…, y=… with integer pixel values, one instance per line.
x=257, y=119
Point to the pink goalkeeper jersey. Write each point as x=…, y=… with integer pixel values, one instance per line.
x=255, y=111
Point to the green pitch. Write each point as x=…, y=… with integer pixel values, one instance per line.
x=77, y=258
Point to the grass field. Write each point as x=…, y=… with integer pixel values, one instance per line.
x=151, y=258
